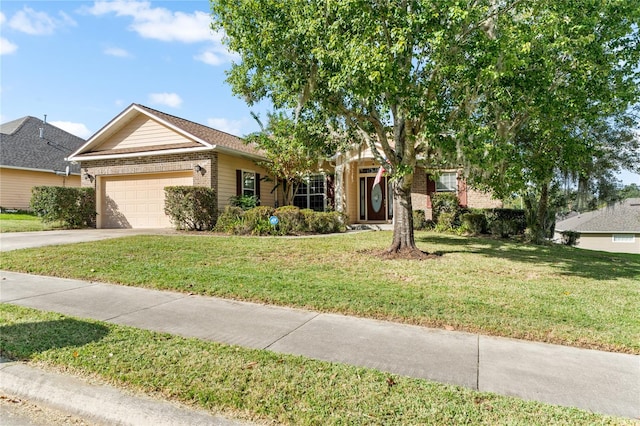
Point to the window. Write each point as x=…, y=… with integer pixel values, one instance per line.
x=311, y=193
x=248, y=183
x=624, y=238
x=447, y=182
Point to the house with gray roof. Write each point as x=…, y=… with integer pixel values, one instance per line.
x=613, y=228
x=33, y=153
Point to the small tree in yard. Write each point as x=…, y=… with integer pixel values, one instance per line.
x=292, y=147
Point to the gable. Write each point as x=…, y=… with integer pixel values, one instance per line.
x=140, y=133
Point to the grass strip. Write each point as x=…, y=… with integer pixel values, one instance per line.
x=551, y=294
x=22, y=222
x=259, y=385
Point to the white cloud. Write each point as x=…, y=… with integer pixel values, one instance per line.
x=32, y=22
x=6, y=47
x=118, y=52
x=159, y=23
x=216, y=55
x=77, y=129
x=168, y=99
x=230, y=126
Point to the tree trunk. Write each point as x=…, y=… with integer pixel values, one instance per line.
x=403, y=239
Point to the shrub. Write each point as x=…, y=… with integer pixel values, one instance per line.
x=515, y=216
x=504, y=228
x=446, y=221
x=570, y=238
x=229, y=219
x=324, y=222
x=72, y=207
x=256, y=221
x=446, y=202
x=419, y=220
x=292, y=221
x=473, y=223
x=193, y=208
x=245, y=202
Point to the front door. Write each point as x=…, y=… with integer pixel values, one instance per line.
x=376, y=199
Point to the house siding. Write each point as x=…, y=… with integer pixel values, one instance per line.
x=227, y=166
x=142, y=132
x=604, y=242
x=15, y=185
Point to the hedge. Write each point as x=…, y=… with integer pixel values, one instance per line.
x=73, y=207
x=193, y=208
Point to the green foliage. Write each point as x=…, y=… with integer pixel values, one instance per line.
x=474, y=223
x=570, y=238
x=73, y=207
x=228, y=219
x=245, y=202
x=292, y=221
x=446, y=202
x=420, y=222
x=194, y=208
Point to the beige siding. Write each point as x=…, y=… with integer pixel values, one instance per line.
x=227, y=166
x=605, y=242
x=351, y=192
x=142, y=132
x=15, y=185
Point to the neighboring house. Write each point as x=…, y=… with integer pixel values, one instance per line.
x=615, y=228
x=32, y=153
x=142, y=150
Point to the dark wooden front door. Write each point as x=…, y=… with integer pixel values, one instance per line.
x=376, y=199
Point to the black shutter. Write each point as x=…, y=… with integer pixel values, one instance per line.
x=258, y=186
x=239, y=183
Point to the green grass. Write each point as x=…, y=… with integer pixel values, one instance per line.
x=259, y=385
x=544, y=293
x=22, y=222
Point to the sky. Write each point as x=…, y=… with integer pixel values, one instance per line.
x=83, y=62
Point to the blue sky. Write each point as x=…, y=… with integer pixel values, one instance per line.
x=83, y=62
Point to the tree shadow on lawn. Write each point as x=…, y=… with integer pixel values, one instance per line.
x=598, y=265
x=22, y=341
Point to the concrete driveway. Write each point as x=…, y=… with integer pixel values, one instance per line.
x=19, y=240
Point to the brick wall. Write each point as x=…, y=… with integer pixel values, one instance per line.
x=155, y=164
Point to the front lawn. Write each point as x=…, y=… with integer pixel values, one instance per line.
x=552, y=294
x=259, y=385
x=22, y=222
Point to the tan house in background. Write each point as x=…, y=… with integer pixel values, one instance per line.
x=32, y=153
x=613, y=228
x=142, y=150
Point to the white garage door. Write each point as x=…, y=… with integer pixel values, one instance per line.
x=138, y=201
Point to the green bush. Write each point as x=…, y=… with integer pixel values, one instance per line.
x=71, y=206
x=194, y=208
x=570, y=238
x=446, y=202
x=245, y=202
x=419, y=220
x=446, y=222
x=324, y=222
x=256, y=221
x=229, y=219
x=504, y=228
x=516, y=217
x=473, y=223
x=291, y=220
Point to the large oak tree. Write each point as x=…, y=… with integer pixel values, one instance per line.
x=417, y=81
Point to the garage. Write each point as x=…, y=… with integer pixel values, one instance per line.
x=137, y=201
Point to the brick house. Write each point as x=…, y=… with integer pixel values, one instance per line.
x=139, y=152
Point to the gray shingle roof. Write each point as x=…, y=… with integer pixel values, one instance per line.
x=22, y=147
x=623, y=217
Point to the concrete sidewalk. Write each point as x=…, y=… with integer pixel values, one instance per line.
x=602, y=382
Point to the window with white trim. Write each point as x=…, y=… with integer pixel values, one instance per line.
x=311, y=193
x=623, y=238
x=248, y=183
x=447, y=182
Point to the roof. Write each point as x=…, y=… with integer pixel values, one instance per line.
x=622, y=217
x=204, y=137
x=22, y=147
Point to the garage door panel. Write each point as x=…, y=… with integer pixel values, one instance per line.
x=137, y=201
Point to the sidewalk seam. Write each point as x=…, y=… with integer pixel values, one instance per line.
x=292, y=331
x=146, y=308
x=478, y=363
